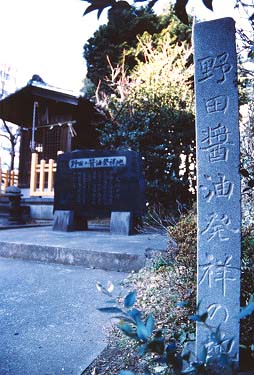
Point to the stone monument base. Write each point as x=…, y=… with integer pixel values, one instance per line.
x=122, y=223
x=67, y=221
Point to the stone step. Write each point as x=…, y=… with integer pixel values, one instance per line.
x=95, y=248
x=4, y=199
x=4, y=207
x=4, y=213
x=4, y=219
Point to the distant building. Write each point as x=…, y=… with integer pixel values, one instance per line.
x=50, y=120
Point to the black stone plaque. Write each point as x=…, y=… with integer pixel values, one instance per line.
x=95, y=183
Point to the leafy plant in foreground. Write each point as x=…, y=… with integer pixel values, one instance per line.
x=135, y=326
x=142, y=330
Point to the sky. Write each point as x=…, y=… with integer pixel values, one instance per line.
x=46, y=37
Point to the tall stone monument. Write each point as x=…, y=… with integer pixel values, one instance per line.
x=218, y=184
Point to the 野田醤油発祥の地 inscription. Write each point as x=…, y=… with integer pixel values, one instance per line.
x=214, y=67
x=216, y=104
x=215, y=141
x=98, y=162
x=218, y=184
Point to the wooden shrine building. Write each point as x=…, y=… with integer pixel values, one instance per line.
x=50, y=120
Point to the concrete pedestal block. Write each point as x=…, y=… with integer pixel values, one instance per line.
x=122, y=223
x=67, y=221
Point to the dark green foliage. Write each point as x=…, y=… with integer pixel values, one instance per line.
x=154, y=117
x=199, y=318
x=151, y=111
x=247, y=261
x=247, y=290
x=248, y=310
x=161, y=135
x=130, y=300
x=249, y=179
x=180, y=11
x=131, y=322
x=100, y=5
x=185, y=235
x=208, y=4
x=118, y=35
x=180, y=6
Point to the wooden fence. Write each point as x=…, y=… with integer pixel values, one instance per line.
x=7, y=178
x=42, y=177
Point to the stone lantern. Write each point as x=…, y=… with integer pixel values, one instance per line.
x=15, y=209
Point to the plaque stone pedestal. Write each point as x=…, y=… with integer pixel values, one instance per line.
x=67, y=221
x=122, y=223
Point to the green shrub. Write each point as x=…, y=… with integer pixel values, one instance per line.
x=160, y=288
x=247, y=287
x=158, y=292
x=164, y=353
x=185, y=235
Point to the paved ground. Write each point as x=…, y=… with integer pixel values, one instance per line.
x=92, y=249
x=49, y=324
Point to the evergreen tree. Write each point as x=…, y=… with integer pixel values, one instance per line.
x=151, y=111
x=119, y=34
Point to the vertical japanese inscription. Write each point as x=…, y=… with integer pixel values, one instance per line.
x=218, y=181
